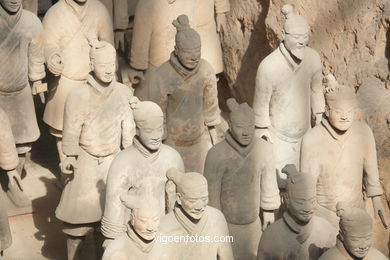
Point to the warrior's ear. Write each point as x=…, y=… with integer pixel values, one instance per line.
x=178, y=198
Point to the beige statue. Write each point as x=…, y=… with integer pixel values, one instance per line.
x=139, y=240
x=142, y=166
x=185, y=88
x=354, y=239
x=68, y=24
x=241, y=178
x=8, y=163
x=192, y=218
x=298, y=235
x=340, y=145
x=97, y=124
x=154, y=34
x=21, y=47
x=288, y=91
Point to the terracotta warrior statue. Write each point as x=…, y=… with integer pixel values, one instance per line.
x=298, y=235
x=139, y=240
x=142, y=166
x=354, y=238
x=8, y=163
x=191, y=217
x=346, y=146
x=185, y=88
x=21, y=50
x=241, y=178
x=98, y=122
x=288, y=91
x=68, y=24
x=154, y=34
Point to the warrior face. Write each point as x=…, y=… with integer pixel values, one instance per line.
x=146, y=221
x=357, y=244
x=11, y=6
x=150, y=133
x=103, y=66
x=341, y=113
x=189, y=58
x=194, y=202
x=296, y=42
x=301, y=205
x=242, y=129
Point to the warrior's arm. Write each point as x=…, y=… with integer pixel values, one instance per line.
x=52, y=36
x=106, y=31
x=121, y=14
x=317, y=92
x=142, y=34
x=159, y=95
x=36, y=58
x=73, y=122
x=262, y=98
x=222, y=6
x=269, y=191
x=128, y=127
x=214, y=179
x=113, y=221
x=371, y=173
x=225, y=251
x=211, y=110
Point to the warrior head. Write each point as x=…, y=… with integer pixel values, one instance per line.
x=145, y=214
x=301, y=194
x=340, y=104
x=103, y=60
x=295, y=32
x=188, y=45
x=11, y=6
x=355, y=230
x=149, y=120
x=241, y=122
x=192, y=192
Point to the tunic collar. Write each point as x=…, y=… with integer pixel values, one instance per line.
x=242, y=150
x=292, y=64
x=143, y=150
x=326, y=124
x=180, y=69
x=191, y=227
x=79, y=10
x=95, y=85
x=342, y=250
x=141, y=244
x=303, y=232
x=11, y=19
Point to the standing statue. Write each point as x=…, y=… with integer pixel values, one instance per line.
x=346, y=146
x=241, y=177
x=8, y=163
x=21, y=50
x=139, y=240
x=298, y=235
x=185, y=88
x=288, y=91
x=153, y=37
x=68, y=24
x=354, y=239
x=192, y=218
x=142, y=166
x=97, y=124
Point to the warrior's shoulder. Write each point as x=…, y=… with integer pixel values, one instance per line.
x=331, y=254
x=31, y=18
x=271, y=63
